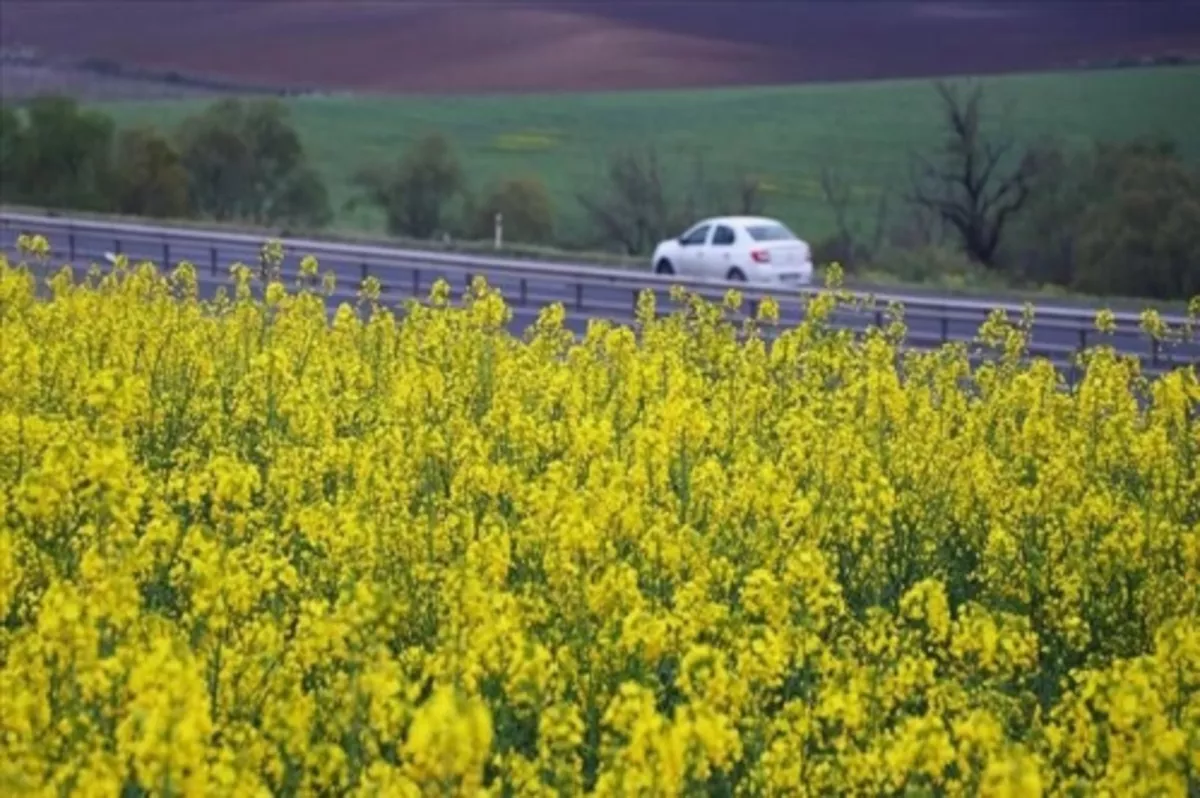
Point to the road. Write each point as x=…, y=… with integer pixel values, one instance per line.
x=586, y=292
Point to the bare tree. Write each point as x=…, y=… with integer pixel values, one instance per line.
x=737, y=193
x=751, y=201
x=977, y=181
x=836, y=190
x=634, y=210
x=917, y=228
x=414, y=192
x=853, y=242
x=641, y=206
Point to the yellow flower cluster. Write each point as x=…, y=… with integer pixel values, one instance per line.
x=246, y=549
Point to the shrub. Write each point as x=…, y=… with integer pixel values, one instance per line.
x=415, y=193
x=151, y=179
x=246, y=161
x=935, y=266
x=524, y=202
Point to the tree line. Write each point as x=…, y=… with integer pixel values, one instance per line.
x=243, y=160
x=235, y=160
x=1115, y=218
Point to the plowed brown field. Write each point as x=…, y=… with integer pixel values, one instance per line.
x=487, y=45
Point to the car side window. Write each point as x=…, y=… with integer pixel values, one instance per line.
x=696, y=236
x=723, y=236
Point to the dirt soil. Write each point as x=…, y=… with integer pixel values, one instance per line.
x=489, y=45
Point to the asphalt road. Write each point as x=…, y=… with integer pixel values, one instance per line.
x=608, y=294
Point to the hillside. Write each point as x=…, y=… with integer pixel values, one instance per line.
x=784, y=135
x=565, y=45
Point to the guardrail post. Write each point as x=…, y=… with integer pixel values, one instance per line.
x=879, y=319
x=71, y=247
x=416, y=282
x=945, y=329
x=363, y=270
x=116, y=246
x=524, y=292
x=212, y=260
x=166, y=256
x=1083, y=339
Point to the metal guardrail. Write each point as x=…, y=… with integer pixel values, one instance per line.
x=1059, y=332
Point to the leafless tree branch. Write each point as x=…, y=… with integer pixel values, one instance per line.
x=853, y=241
x=973, y=183
x=637, y=208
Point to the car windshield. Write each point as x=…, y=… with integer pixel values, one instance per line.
x=770, y=232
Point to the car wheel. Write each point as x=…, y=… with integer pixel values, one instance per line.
x=664, y=267
x=736, y=275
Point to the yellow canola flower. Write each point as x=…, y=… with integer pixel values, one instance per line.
x=448, y=743
x=250, y=547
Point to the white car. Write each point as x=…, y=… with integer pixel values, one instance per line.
x=751, y=249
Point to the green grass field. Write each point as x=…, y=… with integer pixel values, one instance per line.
x=782, y=134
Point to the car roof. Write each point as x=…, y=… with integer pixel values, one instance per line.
x=739, y=220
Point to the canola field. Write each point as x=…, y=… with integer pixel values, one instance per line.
x=247, y=549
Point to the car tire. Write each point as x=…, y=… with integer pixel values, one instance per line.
x=736, y=275
x=664, y=267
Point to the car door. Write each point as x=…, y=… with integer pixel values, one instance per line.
x=719, y=258
x=691, y=250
